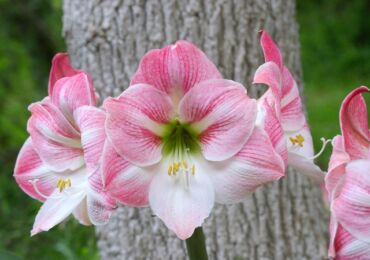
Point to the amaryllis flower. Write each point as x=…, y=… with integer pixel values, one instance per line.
x=347, y=181
x=283, y=97
x=58, y=164
x=181, y=138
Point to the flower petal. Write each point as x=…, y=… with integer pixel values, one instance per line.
x=354, y=124
x=99, y=204
x=175, y=69
x=223, y=115
x=60, y=68
x=269, y=74
x=352, y=206
x=80, y=213
x=336, y=172
x=91, y=122
x=55, y=210
x=56, y=141
x=123, y=181
x=253, y=166
x=347, y=247
x=181, y=208
x=135, y=122
x=306, y=166
x=270, y=49
x=29, y=168
x=72, y=92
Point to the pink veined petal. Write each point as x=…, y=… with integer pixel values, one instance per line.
x=55, y=210
x=135, y=123
x=348, y=247
x=60, y=68
x=354, y=124
x=292, y=116
x=222, y=114
x=352, y=206
x=336, y=172
x=254, y=165
x=29, y=168
x=72, y=92
x=91, y=121
x=182, y=208
x=333, y=228
x=269, y=74
x=56, y=141
x=268, y=120
x=306, y=166
x=306, y=150
x=270, y=49
x=99, y=205
x=80, y=213
x=175, y=69
x=123, y=181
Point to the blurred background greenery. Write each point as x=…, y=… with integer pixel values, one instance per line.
x=335, y=46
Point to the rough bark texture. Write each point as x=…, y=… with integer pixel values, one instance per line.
x=285, y=220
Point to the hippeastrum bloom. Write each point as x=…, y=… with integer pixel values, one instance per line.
x=181, y=138
x=283, y=97
x=347, y=181
x=58, y=164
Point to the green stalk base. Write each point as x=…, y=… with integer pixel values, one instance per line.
x=196, y=245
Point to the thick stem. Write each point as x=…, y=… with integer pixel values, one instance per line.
x=196, y=245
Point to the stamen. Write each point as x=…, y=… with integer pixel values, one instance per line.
x=297, y=140
x=62, y=184
x=193, y=170
x=170, y=170
x=324, y=143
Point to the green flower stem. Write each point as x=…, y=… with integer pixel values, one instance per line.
x=196, y=245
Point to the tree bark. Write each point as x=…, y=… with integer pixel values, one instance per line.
x=284, y=220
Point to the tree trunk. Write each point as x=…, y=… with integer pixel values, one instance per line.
x=284, y=220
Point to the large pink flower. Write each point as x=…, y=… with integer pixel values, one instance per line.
x=181, y=138
x=58, y=164
x=347, y=181
x=283, y=101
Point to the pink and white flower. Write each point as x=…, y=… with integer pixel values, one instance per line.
x=347, y=181
x=180, y=138
x=283, y=98
x=59, y=162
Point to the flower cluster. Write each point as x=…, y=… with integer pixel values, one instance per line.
x=348, y=182
x=180, y=138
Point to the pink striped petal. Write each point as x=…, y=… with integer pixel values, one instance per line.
x=336, y=172
x=181, y=208
x=123, y=181
x=175, y=69
x=345, y=246
x=267, y=119
x=223, y=115
x=135, y=122
x=29, y=168
x=354, y=124
x=99, y=204
x=55, y=210
x=352, y=206
x=292, y=116
x=80, y=213
x=91, y=122
x=270, y=49
x=253, y=166
x=269, y=74
x=56, y=141
x=72, y=92
x=60, y=68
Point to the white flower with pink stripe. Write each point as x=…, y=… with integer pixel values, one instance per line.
x=181, y=138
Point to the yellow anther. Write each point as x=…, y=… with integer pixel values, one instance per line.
x=62, y=184
x=170, y=170
x=193, y=170
x=185, y=164
x=298, y=139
